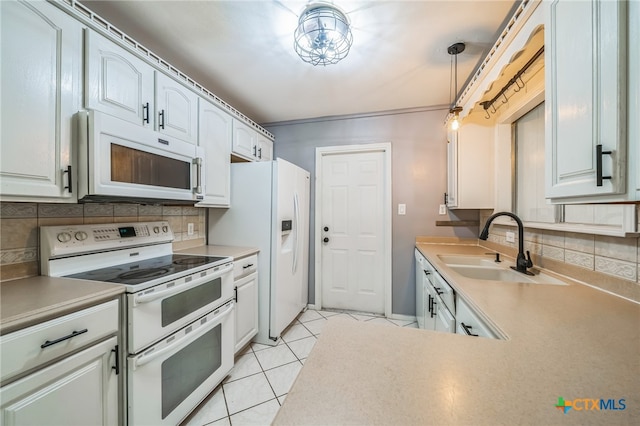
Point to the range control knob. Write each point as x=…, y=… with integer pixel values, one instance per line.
x=64, y=237
x=156, y=229
x=165, y=228
x=81, y=236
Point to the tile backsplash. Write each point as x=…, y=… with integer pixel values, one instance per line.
x=19, y=224
x=610, y=263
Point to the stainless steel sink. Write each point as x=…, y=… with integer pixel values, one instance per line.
x=481, y=268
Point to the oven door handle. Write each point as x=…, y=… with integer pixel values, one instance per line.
x=150, y=297
x=184, y=341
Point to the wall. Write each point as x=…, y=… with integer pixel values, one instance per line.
x=418, y=146
x=19, y=223
x=610, y=263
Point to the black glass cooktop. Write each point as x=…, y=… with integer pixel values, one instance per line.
x=147, y=270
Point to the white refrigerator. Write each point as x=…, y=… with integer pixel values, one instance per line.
x=270, y=210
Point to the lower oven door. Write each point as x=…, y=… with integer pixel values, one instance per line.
x=159, y=311
x=168, y=380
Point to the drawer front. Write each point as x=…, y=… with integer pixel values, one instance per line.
x=245, y=266
x=468, y=322
x=27, y=349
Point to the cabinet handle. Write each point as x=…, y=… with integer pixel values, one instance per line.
x=427, y=272
x=254, y=151
x=430, y=303
x=247, y=266
x=117, y=366
x=62, y=339
x=599, y=154
x=433, y=306
x=69, y=180
x=161, y=115
x=446, y=198
x=145, y=113
x=467, y=329
x=260, y=153
x=235, y=298
x=438, y=291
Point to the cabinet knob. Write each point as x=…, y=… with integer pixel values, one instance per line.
x=326, y=240
x=326, y=229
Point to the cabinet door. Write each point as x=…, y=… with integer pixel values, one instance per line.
x=420, y=296
x=79, y=390
x=451, y=198
x=244, y=140
x=176, y=109
x=117, y=82
x=585, y=57
x=41, y=56
x=215, y=138
x=431, y=305
x=265, y=148
x=246, y=310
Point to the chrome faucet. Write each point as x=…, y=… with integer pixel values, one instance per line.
x=522, y=262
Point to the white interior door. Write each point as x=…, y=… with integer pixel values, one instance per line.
x=353, y=225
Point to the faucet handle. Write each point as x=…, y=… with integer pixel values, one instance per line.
x=529, y=262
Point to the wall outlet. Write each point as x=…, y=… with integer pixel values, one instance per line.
x=402, y=209
x=189, y=228
x=443, y=209
x=510, y=237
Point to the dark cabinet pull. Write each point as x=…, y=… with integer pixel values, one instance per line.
x=62, y=339
x=427, y=272
x=599, y=154
x=438, y=291
x=446, y=198
x=247, y=266
x=430, y=303
x=117, y=366
x=235, y=298
x=433, y=306
x=326, y=229
x=467, y=329
x=145, y=113
x=260, y=153
x=254, y=151
x=69, y=180
x=161, y=115
x=325, y=239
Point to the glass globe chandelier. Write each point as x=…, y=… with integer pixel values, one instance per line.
x=323, y=35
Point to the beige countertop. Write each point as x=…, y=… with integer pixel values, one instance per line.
x=571, y=341
x=216, y=250
x=29, y=301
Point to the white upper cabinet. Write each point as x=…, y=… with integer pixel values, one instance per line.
x=215, y=129
x=265, y=148
x=250, y=144
x=123, y=85
x=176, y=109
x=117, y=82
x=586, y=98
x=244, y=140
x=470, y=168
x=41, y=56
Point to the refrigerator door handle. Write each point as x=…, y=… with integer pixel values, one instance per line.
x=296, y=218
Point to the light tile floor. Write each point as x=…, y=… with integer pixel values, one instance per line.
x=262, y=376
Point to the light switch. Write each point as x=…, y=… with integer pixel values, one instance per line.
x=402, y=209
x=443, y=209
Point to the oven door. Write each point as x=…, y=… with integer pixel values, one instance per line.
x=127, y=160
x=168, y=380
x=158, y=311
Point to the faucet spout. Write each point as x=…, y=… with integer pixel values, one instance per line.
x=522, y=262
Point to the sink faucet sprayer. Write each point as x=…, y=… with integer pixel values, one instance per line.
x=522, y=262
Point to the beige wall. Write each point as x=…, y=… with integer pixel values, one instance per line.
x=19, y=223
x=610, y=263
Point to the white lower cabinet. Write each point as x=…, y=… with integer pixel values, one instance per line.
x=246, y=311
x=469, y=323
x=63, y=371
x=434, y=298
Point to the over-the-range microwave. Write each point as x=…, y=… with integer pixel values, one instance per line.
x=118, y=160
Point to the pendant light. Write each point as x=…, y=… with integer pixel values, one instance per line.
x=323, y=35
x=454, y=109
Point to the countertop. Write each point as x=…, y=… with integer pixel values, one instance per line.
x=217, y=250
x=573, y=341
x=28, y=301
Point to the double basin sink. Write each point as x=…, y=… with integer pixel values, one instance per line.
x=483, y=268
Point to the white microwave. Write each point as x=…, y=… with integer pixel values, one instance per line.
x=119, y=160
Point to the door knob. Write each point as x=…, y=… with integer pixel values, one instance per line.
x=326, y=240
x=326, y=228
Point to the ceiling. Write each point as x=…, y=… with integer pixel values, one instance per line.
x=243, y=51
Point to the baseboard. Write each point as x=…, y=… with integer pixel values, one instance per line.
x=313, y=307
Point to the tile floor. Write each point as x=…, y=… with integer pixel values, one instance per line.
x=262, y=375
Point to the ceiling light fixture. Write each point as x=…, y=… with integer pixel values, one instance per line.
x=454, y=109
x=323, y=35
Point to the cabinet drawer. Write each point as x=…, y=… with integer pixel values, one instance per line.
x=245, y=266
x=443, y=289
x=23, y=350
x=470, y=324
